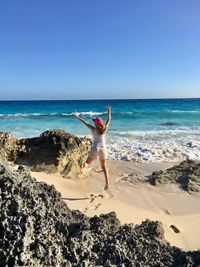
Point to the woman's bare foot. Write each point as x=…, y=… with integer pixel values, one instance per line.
x=107, y=194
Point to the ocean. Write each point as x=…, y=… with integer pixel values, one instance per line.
x=141, y=130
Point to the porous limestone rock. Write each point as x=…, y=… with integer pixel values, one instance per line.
x=52, y=151
x=38, y=229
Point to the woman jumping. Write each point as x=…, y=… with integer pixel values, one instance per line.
x=99, y=145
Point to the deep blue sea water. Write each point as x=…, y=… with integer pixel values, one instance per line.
x=133, y=121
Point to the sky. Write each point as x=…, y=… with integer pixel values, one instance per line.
x=89, y=49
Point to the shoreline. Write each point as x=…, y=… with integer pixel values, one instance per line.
x=133, y=203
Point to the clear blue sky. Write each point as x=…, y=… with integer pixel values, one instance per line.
x=86, y=49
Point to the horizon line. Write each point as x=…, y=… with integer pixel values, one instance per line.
x=102, y=99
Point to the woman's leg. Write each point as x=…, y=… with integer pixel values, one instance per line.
x=87, y=164
x=105, y=171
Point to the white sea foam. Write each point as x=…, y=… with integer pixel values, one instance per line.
x=155, y=145
x=21, y=115
x=90, y=113
x=153, y=151
x=15, y=115
x=160, y=134
x=184, y=111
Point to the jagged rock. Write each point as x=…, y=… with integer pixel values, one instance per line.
x=186, y=174
x=9, y=148
x=52, y=151
x=38, y=229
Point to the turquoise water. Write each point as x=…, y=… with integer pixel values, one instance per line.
x=135, y=122
x=30, y=118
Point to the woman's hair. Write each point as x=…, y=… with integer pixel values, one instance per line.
x=101, y=129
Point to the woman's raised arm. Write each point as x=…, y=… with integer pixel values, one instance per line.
x=84, y=122
x=109, y=116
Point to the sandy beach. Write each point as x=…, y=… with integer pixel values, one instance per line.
x=133, y=203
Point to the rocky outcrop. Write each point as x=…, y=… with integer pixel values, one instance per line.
x=52, y=151
x=186, y=175
x=38, y=229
